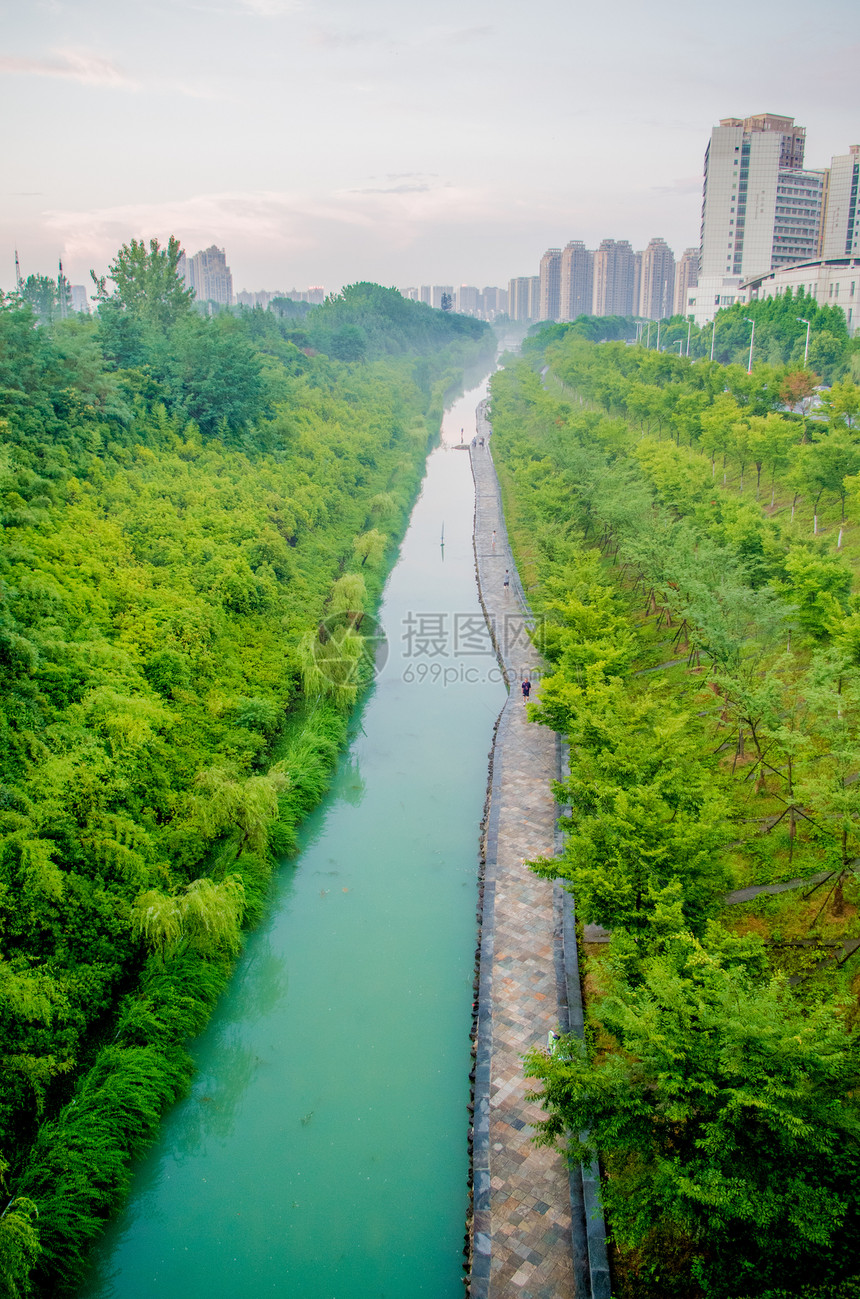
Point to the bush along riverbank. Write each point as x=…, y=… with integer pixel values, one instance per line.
x=199, y=516
x=693, y=569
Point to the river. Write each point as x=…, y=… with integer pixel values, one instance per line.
x=321, y=1152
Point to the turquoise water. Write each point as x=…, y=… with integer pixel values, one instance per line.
x=322, y=1151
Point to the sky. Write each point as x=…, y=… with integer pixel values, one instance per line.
x=323, y=142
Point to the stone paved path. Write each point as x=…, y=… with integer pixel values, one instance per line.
x=522, y=1225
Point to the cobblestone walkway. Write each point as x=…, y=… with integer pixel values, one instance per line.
x=522, y=1223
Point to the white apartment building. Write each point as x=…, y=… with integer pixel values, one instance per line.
x=468, y=300
x=841, y=234
x=797, y=216
x=760, y=208
x=709, y=295
x=686, y=277
x=524, y=297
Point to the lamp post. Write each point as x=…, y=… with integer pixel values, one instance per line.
x=659, y=323
x=680, y=347
x=689, y=328
x=801, y=321
x=752, y=340
x=713, y=335
x=648, y=343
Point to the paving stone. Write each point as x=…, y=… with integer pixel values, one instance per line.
x=529, y=1186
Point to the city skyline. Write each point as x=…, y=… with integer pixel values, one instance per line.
x=324, y=146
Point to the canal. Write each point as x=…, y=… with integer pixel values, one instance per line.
x=321, y=1152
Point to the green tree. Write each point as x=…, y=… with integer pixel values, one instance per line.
x=147, y=285
x=721, y=1107
x=40, y=293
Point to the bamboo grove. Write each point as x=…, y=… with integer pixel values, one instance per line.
x=197, y=512
x=687, y=532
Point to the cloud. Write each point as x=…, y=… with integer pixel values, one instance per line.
x=331, y=39
x=77, y=65
x=270, y=8
x=393, y=189
x=680, y=185
x=457, y=35
x=283, y=223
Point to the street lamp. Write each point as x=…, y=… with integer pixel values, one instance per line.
x=689, y=328
x=752, y=340
x=659, y=323
x=713, y=335
x=801, y=321
x=680, y=342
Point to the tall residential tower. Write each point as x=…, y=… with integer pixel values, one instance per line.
x=760, y=207
x=614, y=279
x=577, y=281
x=657, y=284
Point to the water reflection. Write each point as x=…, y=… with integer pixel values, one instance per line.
x=350, y=787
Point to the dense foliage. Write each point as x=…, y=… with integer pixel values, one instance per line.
x=688, y=564
x=196, y=514
x=780, y=335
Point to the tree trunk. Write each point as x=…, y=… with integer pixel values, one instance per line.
x=792, y=833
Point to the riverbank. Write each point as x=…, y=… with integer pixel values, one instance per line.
x=530, y=1234
x=522, y=1219
x=321, y=1150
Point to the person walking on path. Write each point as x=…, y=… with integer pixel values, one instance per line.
x=526, y=689
x=507, y=580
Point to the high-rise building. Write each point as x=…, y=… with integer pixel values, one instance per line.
x=841, y=228
x=426, y=294
x=686, y=277
x=760, y=207
x=577, y=280
x=550, y=284
x=518, y=298
x=614, y=279
x=798, y=216
x=443, y=297
x=524, y=298
x=467, y=299
x=657, y=284
x=208, y=274
x=637, y=283
x=78, y=298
